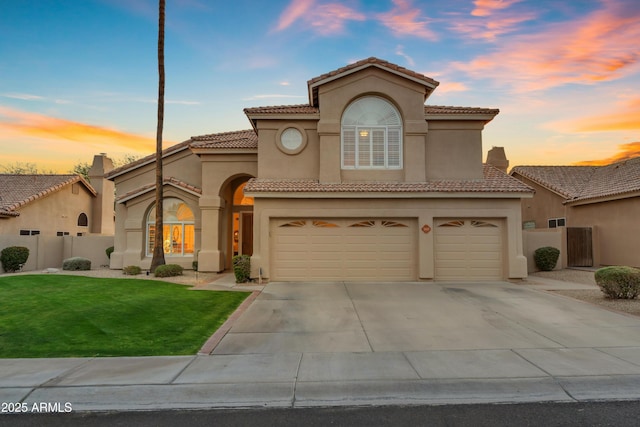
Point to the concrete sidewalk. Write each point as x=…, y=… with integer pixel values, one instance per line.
x=452, y=343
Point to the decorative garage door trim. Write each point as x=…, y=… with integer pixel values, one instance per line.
x=469, y=249
x=352, y=249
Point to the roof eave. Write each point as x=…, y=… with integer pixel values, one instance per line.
x=486, y=118
x=388, y=195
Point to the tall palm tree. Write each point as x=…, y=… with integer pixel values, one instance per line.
x=158, y=251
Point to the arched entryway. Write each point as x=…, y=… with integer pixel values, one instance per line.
x=242, y=222
x=236, y=231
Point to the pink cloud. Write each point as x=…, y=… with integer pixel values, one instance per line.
x=295, y=10
x=406, y=20
x=331, y=18
x=324, y=19
x=490, y=27
x=601, y=46
x=488, y=7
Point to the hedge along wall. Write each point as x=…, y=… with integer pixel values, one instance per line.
x=50, y=251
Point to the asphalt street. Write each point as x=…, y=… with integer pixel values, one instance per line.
x=618, y=414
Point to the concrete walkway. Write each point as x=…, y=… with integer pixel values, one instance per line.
x=325, y=344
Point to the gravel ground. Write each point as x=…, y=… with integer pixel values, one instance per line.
x=593, y=296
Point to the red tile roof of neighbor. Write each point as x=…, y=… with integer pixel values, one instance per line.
x=494, y=181
x=577, y=183
x=18, y=190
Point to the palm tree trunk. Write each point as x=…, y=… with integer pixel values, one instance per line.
x=158, y=251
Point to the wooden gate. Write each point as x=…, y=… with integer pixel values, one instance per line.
x=579, y=247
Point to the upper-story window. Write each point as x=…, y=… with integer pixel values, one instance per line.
x=371, y=135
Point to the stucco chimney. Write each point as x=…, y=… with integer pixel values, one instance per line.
x=497, y=158
x=101, y=219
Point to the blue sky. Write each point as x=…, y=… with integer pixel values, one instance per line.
x=79, y=77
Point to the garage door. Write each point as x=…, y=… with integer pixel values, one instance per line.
x=468, y=249
x=343, y=249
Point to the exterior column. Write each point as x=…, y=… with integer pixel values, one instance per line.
x=210, y=256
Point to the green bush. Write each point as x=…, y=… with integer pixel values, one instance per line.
x=76, y=263
x=132, y=270
x=168, y=270
x=13, y=258
x=109, y=251
x=194, y=264
x=619, y=282
x=242, y=268
x=546, y=258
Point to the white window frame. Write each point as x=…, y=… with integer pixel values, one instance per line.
x=363, y=131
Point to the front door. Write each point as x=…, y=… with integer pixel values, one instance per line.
x=246, y=233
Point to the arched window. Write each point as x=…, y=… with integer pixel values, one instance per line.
x=371, y=135
x=178, y=228
x=83, y=221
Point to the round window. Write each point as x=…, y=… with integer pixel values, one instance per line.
x=291, y=139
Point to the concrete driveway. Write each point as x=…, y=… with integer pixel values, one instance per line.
x=413, y=317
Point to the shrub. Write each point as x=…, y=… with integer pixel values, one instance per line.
x=109, y=251
x=76, y=263
x=194, y=264
x=13, y=258
x=131, y=270
x=242, y=268
x=546, y=258
x=619, y=282
x=168, y=270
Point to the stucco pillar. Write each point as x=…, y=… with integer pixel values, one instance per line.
x=210, y=257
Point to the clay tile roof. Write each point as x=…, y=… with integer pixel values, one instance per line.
x=576, y=183
x=568, y=181
x=441, y=109
x=494, y=181
x=239, y=139
x=148, y=159
x=372, y=61
x=283, y=109
x=18, y=190
x=167, y=180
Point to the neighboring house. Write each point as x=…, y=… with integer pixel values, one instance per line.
x=57, y=205
x=364, y=183
x=605, y=199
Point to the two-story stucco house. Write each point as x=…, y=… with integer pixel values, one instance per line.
x=365, y=182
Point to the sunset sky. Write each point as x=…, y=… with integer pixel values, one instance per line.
x=79, y=77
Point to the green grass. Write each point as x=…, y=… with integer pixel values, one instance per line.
x=75, y=316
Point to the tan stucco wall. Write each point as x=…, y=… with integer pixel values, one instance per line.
x=52, y=213
x=212, y=209
x=544, y=205
x=275, y=163
x=51, y=251
x=538, y=238
x=616, y=224
x=423, y=210
x=454, y=150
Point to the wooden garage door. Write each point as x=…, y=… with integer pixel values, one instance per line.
x=468, y=249
x=343, y=249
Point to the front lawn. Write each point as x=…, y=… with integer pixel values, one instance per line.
x=66, y=316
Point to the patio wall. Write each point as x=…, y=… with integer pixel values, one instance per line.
x=538, y=238
x=51, y=251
